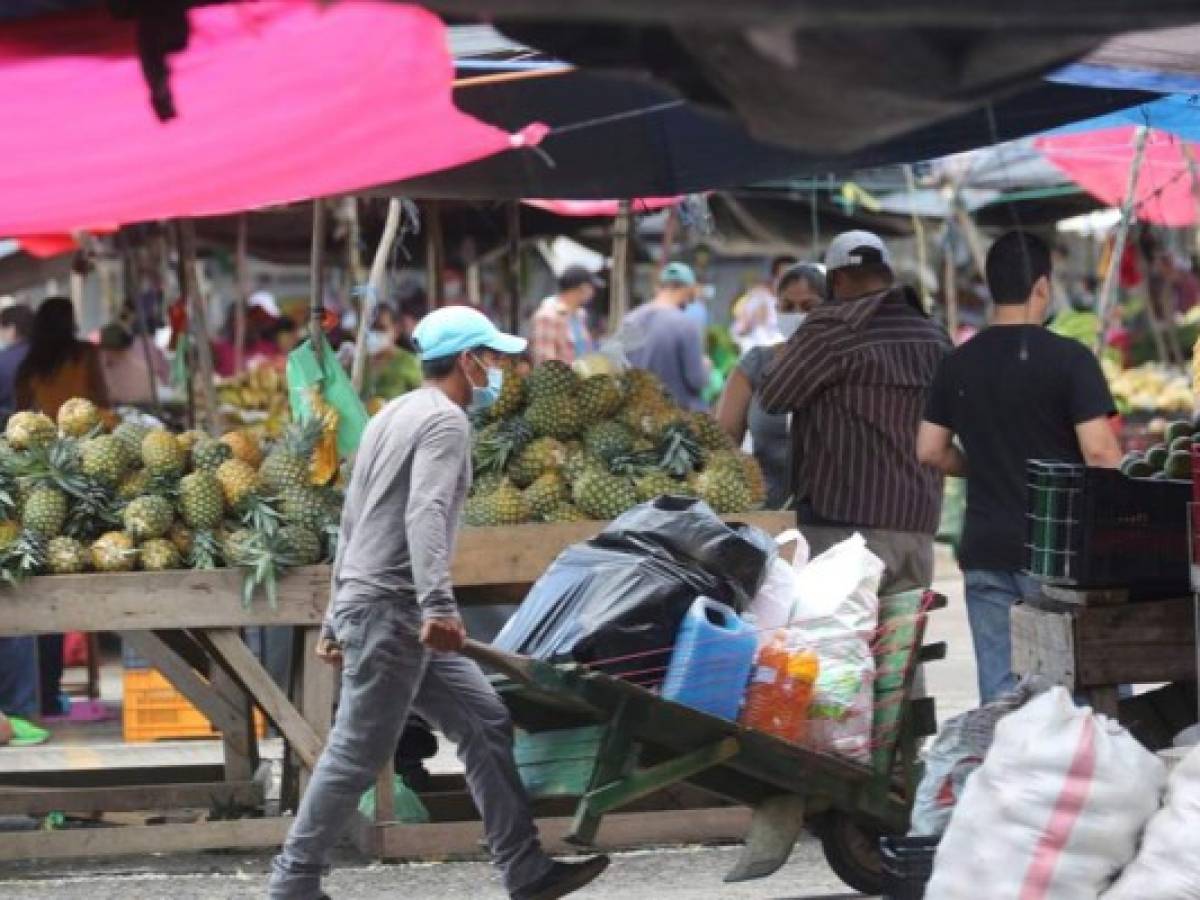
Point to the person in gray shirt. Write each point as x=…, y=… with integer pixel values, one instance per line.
x=661, y=338
x=394, y=628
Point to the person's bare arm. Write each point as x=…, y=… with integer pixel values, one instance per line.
x=1098, y=443
x=734, y=406
x=936, y=448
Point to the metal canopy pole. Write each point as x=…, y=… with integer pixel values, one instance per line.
x=1108, y=288
x=198, y=319
x=619, y=290
x=316, y=297
x=373, y=291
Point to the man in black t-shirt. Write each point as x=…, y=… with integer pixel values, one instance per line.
x=1013, y=393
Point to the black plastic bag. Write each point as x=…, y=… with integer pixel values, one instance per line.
x=617, y=601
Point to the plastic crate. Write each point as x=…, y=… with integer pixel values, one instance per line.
x=906, y=866
x=154, y=711
x=130, y=659
x=1095, y=528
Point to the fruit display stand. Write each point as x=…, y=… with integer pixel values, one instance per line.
x=187, y=624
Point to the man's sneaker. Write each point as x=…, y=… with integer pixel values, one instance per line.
x=562, y=879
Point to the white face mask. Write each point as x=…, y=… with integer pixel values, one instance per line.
x=789, y=322
x=378, y=341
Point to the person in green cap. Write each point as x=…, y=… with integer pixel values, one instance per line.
x=394, y=627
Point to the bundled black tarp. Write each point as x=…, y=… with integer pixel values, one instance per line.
x=617, y=601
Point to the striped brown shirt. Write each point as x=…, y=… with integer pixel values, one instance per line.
x=855, y=375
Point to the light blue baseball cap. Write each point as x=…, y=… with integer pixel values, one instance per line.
x=453, y=329
x=678, y=273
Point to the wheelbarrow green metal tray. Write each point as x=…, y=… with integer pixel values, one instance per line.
x=610, y=742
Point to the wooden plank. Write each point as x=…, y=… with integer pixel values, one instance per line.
x=1043, y=643
x=119, y=798
x=231, y=651
x=1085, y=596
x=317, y=689
x=185, y=679
x=461, y=840
x=139, y=840
x=239, y=739
x=135, y=601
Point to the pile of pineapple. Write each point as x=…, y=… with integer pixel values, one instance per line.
x=557, y=447
x=75, y=497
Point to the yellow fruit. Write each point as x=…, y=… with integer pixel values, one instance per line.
x=114, y=551
x=245, y=447
x=238, y=480
x=78, y=417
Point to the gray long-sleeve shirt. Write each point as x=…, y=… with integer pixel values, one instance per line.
x=410, y=480
x=668, y=342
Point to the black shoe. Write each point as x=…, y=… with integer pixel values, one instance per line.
x=562, y=879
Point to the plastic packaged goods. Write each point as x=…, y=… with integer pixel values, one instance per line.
x=772, y=605
x=1167, y=865
x=781, y=688
x=1054, y=812
x=711, y=659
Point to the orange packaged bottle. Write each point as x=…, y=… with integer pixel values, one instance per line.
x=802, y=670
x=763, y=695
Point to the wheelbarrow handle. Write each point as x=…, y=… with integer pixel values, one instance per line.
x=518, y=668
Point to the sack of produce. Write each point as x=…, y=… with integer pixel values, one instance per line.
x=959, y=749
x=619, y=599
x=1167, y=865
x=837, y=607
x=1054, y=812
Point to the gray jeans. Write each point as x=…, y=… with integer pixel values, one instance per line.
x=386, y=671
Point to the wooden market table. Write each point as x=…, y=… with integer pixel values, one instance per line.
x=1094, y=641
x=188, y=624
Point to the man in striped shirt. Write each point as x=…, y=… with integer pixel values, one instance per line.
x=855, y=376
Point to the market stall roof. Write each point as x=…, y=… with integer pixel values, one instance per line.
x=277, y=101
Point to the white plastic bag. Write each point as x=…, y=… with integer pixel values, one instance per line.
x=1054, y=812
x=837, y=607
x=1167, y=865
x=772, y=605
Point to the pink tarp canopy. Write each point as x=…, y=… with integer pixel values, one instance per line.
x=587, y=208
x=1099, y=161
x=278, y=101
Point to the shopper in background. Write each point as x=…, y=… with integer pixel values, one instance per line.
x=127, y=362
x=799, y=289
x=754, y=313
x=560, y=330
x=1013, y=393
x=16, y=323
x=663, y=339
x=854, y=376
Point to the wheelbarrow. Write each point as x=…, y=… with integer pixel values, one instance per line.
x=615, y=742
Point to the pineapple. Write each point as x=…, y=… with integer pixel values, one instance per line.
x=208, y=454
x=23, y=557
x=496, y=445
x=9, y=532
x=238, y=545
x=238, y=480
x=302, y=505
x=202, y=499
x=599, y=397
x=290, y=463
x=302, y=545
x=509, y=506
x=113, y=551
x=722, y=485
x=546, y=493
x=679, y=450
x=132, y=485
x=608, y=440
x=92, y=510
x=130, y=434
x=189, y=439
x=78, y=417
x=709, y=432
x=479, y=510
x=565, y=512
x=543, y=455
x=486, y=483
x=159, y=554
x=580, y=463
x=26, y=430
x=244, y=446
x=755, y=481
x=67, y=556
x=655, y=484
x=45, y=512
x=162, y=454
x=643, y=387
x=182, y=537
x=551, y=379
x=555, y=416
x=103, y=459
x=148, y=517
x=512, y=393
x=601, y=495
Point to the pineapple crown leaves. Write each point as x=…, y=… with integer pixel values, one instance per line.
x=634, y=464
x=301, y=437
x=23, y=558
x=258, y=514
x=679, y=451
x=500, y=443
x=263, y=560
x=205, y=552
x=55, y=465
x=95, y=510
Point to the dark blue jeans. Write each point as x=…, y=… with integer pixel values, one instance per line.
x=19, y=677
x=990, y=599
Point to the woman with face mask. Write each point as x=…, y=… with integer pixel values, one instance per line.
x=798, y=289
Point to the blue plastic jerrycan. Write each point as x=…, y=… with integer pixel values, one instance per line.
x=711, y=662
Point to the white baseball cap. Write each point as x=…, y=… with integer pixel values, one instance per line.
x=265, y=301
x=856, y=248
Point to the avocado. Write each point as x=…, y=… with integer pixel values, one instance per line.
x=1179, y=465
x=1178, y=429
x=1138, y=469
x=1182, y=443
x=1157, y=455
x=1129, y=459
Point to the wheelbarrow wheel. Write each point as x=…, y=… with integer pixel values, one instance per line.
x=852, y=850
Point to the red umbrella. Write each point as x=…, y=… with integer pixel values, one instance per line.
x=1099, y=161
x=277, y=101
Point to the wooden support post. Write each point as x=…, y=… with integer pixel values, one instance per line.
x=316, y=289
x=618, y=291
x=512, y=266
x=910, y=180
x=129, y=278
x=239, y=740
x=435, y=253
x=950, y=288
x=1109, y=286
x=231, y=652
x=241, y=294
x=198, y=319
x=374, y=290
